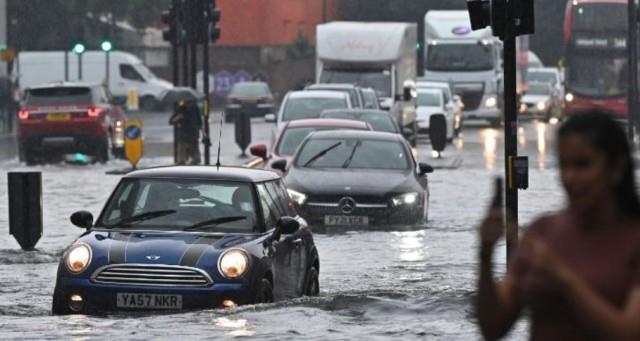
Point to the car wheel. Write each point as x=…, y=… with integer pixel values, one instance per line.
x=148, y=103
x=102, y=151
x=264, y=292
x=228, y=118
x=313, y=283
x=58, y=307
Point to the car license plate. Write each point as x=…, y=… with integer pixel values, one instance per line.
x=148, y=301
x=59, y=116
x=341, y=220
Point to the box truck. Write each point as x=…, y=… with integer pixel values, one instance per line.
x=126, y=72
x=381, y=56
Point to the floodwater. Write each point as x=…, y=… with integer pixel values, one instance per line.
x=383, y=285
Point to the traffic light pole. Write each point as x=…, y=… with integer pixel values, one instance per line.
x=632, y=48
x=206, y=141
x=174, y=44
x=510, y=131
x=79, y=66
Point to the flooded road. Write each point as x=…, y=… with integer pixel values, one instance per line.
x=415, y=284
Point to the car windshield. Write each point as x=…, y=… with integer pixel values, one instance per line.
x=353, y=153
x=299, y=108
x=379, y=122
x=542, y=77
x=59, y=95
x=175, y=204
x=249, y=90
x=460, y=57
x=379, y=80
x=429, y=99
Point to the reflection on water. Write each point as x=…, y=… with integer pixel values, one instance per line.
x=411, y=245
x=522, y=137
x=459, y=142
x=238, y=327
x=541, y=128
x=489, y=138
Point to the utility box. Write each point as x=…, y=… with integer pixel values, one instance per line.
x=25, y=208
x=438, y=132
x=243, y=130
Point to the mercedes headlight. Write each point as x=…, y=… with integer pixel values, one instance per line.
x=569, y=97
x=234, y=263
x=405, y=199
x=491, y=102
x=78, y=258
x=541, y=106
x=297, y=197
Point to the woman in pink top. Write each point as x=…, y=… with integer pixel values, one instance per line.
x=576, y=272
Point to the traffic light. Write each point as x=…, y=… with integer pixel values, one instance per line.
x=213, y=17
x=494, y=13
x=106, y=45
x=170, y=21
x=78, y=48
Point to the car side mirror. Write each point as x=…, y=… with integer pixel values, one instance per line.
x=287, y=225
x=270, y=118
x=425, y=168
x=259, y=150
x=82, y=219
x=280, y=165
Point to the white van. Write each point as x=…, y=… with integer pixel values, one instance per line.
x=126, y=72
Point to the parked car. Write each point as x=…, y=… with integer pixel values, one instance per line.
x=370, y=98
x=169, y=98
x=353, y=90
x=379, y=120
x=253, y=98
x=431, y=101
x=541, y=101
x=453, y=102
x=358, y=179
x=69, y=117
x=174, y=238
x=293, y=133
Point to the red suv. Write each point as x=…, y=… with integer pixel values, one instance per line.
x=64, y=118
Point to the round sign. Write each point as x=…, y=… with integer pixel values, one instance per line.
x=223, y=83
x=242, y=76
x=461, y=30
x=133, y=132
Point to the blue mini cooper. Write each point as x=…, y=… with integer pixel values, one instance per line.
x=174, y=238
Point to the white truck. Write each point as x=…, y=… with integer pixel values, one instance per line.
x=126, y=72
x=381, y=56
x=471, y=61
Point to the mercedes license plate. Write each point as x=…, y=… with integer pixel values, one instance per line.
x=148, y=301
x=340, y=220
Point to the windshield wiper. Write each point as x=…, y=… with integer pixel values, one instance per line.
x=353, y=152
x=321, y=154
x=144, y=216
x=215, y=221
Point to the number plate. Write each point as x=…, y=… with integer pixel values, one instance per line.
x=60, y=116
x=342, y=220
x=148, y=301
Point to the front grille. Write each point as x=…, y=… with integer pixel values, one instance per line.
x=471, y=99
x=151, y=275
x=360, y=199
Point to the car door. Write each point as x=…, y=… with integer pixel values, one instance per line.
x=288, y=259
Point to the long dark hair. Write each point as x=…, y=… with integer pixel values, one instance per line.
x=607, y=135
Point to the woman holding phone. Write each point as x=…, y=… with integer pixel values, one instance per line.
x=577, y=272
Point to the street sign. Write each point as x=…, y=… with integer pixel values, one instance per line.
x=133, y=141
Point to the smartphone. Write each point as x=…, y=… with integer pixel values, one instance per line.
x=498, y=193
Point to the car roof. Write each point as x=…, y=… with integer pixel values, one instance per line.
x=236, y=174
x=420, y=84
x=430, y=89
x=250, y=83
x=543, y=69
x=341, y=86
x=359, y=111
x=65, y=85
x=318, y=94
x=327, y=122
x=356, y=134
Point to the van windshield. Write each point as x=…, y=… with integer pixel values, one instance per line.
x=460, y=57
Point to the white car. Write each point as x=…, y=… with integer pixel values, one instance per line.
x=453, y=103
x=431, y=101
x=547, y=75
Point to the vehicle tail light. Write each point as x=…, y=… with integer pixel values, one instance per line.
x=23, y=114
x=234, y=100
x=94, y=112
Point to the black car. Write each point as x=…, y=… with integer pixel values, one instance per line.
x=358, y=179
x=379, y=120
x=174, y=238
x=253, y=98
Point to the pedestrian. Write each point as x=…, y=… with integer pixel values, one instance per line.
x=577, y=271
x=188, y=123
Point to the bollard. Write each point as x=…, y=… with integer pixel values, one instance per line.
x=25, y=208
x=438, y=132
x=243, y=131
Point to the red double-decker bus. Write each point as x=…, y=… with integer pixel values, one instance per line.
x=595, y=56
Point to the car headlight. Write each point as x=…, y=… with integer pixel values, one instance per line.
x=491, y=102
x=541, y=105
x=234, y=263
x=78, y=258
x=405, y=199
x=297, y=197
x=569, y=97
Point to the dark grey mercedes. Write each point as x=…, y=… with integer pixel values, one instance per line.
x=358, y=179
